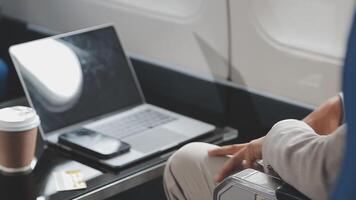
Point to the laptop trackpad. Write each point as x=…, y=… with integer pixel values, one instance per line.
x=154, y=139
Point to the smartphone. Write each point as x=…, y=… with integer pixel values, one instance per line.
x=94, y=143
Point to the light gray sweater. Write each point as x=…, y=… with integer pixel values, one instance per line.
x=304, y=159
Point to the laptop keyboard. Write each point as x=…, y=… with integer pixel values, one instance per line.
x=134, y=123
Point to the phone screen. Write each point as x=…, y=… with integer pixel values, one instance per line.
x=93, y=142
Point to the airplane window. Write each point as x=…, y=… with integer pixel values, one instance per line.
x=318, y=26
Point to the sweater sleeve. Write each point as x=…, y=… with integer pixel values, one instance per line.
x=304, y=159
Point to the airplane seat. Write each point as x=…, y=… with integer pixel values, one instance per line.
x=4, y=70
x=345, y=188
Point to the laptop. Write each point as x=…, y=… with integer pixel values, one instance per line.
x=84, y=79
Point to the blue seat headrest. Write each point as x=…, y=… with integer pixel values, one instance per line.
x=4, y=70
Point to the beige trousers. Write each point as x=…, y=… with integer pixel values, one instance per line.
x=189, y=173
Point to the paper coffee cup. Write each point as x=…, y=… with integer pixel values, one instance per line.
x=18, y=134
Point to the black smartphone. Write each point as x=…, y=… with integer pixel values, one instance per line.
x=94, y=143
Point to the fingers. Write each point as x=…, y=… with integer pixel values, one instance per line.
x=226, y=150
x=249, y=152
x=230, y=165
x=248, y=158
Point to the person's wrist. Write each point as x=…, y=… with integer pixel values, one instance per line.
x=336, y=109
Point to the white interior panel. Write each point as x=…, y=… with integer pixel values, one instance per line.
x=164, y=31
x=172, y=8
x=290, y=48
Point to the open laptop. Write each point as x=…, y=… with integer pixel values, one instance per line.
x=84, y=79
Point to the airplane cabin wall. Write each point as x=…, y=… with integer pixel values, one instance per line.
x=288, y=49
x=291, y=49
x=186, y=35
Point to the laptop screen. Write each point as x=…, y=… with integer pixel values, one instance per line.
x=76, y=77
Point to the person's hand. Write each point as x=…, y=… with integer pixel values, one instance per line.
x=250, y=152
x=327, y=117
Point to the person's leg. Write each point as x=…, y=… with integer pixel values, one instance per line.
x=189, y=173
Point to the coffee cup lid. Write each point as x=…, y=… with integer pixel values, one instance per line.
x=18, y=118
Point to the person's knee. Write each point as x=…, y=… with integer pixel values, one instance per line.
x=188, y=168
x=189, y=158
x=192, y=154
